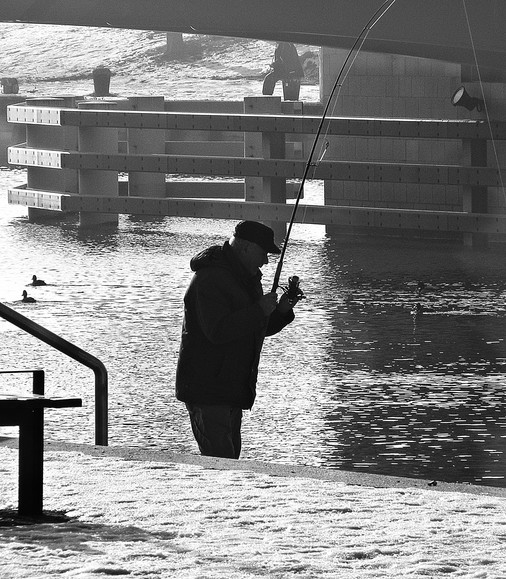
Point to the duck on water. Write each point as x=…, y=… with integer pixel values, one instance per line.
x=27, y=299
x=36, y=281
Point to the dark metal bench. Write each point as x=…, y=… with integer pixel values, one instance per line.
x=27, y=412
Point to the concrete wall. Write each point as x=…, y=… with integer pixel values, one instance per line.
x=397, y=86
x=494, y=91
x=393, y=86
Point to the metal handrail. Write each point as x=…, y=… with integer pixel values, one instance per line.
x=57, y=342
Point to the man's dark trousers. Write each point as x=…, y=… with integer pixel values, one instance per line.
x=217, y=429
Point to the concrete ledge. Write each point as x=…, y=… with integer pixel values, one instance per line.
x=272, y=469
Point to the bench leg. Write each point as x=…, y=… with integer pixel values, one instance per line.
x=31, y=450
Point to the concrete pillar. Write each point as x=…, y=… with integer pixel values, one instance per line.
x=474, y=198
x=50, y=137
x=10, y=85
x=98, y=181
x=146, y=142
x=265, y=145
x=175, y=45
x=295, y=147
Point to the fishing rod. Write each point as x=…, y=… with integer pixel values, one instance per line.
x=293, y=282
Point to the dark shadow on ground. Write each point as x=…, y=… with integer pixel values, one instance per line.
x=59, y=531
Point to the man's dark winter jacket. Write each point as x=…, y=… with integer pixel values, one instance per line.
x=223, y=331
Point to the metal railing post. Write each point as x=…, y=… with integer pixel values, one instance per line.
x=76, y=353
x=38, y=382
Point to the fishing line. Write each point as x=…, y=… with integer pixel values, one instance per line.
x=494, y=148
x=348, y=63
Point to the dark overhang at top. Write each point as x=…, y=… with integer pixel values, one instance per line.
x=439, y=29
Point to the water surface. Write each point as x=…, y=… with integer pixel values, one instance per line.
x=357, y=381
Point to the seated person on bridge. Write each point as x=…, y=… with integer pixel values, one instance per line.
x=287, y=68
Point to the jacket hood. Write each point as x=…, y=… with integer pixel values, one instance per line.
x=222, y=256
x=210, y=257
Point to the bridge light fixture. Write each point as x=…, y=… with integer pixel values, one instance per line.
x=461, y=98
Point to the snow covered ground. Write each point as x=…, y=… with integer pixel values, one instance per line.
x=198, y=518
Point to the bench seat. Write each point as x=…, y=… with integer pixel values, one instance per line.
x=27, y=412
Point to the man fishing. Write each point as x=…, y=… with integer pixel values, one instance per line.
x=226, y=317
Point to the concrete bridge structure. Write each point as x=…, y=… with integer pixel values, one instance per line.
x=436, y=29
x=414, y=59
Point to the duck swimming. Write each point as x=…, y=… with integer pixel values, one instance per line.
x=36, y=281
x=27, y=298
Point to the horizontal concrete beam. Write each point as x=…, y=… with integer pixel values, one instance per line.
x=254, y=167
x=351, y=126
x=222, y=148
x=200, y=189
x=442, y=221
x=34, y=198
x=35, y=157
x=178, y=188
x=220, y=189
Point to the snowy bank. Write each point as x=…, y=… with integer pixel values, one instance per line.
x=112, y=511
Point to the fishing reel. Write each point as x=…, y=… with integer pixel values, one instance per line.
x=293, y=290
